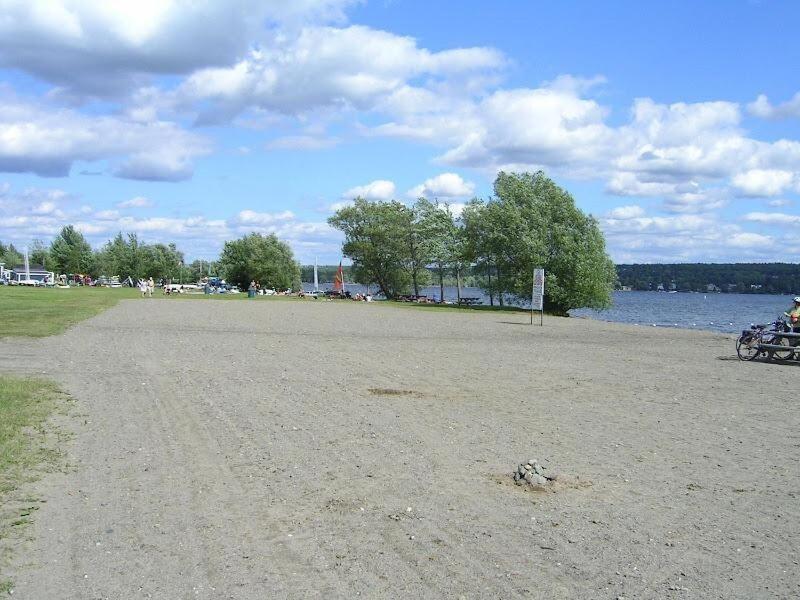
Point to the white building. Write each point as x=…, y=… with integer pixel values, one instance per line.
x=35, y=275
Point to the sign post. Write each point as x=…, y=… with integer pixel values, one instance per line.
x=537, y=295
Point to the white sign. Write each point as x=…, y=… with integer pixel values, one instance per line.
x=537, y=297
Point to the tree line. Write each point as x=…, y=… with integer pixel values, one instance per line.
x=743, y=278
x=529, y=222
x=263, y=258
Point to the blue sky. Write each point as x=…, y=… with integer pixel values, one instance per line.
x=676, y=124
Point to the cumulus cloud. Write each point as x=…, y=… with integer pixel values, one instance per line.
x=763, y=182
x=302, y=142
x=107, y=215
x=252, y=218
x=104, y=47
x=380, y=189
x=694, y=156
x=322, y=67
x=44, y=208
x=772, y=218
x=446, y=185
x=762, y=108
x=544, y=126
x=684, y=238
x=47, y=141
x=626, y=212
x=137, y=202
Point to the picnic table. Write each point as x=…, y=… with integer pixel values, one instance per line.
x=469, y=301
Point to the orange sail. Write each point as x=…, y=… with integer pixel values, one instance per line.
x=338, y=280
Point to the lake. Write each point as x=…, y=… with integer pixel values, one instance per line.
x=728, y=313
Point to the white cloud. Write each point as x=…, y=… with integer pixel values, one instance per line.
x=250, y=218
x=137, y=202
x=44, y=208
x=326, y=67
x=46, y=141
x=772, y=218
x=685, y=238
x=763, y=182
x=687, y=154
x=102, y=47
x=445, y=185
x=762, y=108
x=380, y=189
x=626, y=212
x=544, y=126
x=302, y=142
x=336, y=206
x=749, y=240
x=107, y=215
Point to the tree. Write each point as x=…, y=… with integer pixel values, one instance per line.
x=202, y=268
x=161, y=261
x=377, y=241
x=264, y=259
x=440, y=236
x=10, y=256
x=418, y=246
x=39, y=254
x=70, y=252
x=532, y=222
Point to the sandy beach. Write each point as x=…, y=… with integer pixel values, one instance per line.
x=271, y=449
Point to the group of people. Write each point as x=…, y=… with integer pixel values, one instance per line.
x=146, y=287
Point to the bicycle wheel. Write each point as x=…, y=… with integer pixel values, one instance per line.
x=780, y=354
x=747, y=346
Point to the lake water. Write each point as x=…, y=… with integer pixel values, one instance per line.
x=728, y=313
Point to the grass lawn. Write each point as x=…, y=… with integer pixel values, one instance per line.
x=25, y=404
x=26, y=449
x=34, y=312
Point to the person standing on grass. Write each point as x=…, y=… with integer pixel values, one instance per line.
x=143, y=287
x=151, y=285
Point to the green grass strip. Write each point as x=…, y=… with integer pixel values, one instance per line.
x=27, y=449
x=34, y=312
x=25, y=404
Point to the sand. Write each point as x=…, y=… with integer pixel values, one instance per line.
x=271, y=449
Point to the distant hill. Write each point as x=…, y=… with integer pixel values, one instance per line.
x=742, y=278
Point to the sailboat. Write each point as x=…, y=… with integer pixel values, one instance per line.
x=316, y=276
x=28, y=280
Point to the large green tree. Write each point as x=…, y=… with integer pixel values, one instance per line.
x=440, y=236
x=70, y=252
x=377, y=240
x=263, y=258
x=532, y=222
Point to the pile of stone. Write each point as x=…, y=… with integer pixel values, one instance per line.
x=531, y=473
